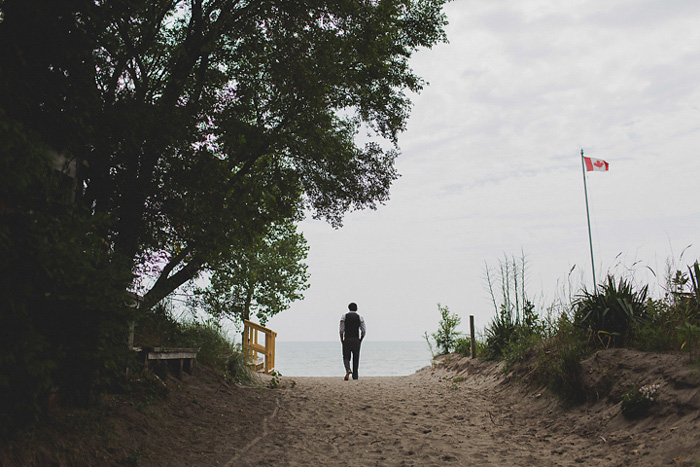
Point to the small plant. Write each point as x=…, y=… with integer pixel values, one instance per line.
x=636, y=401
x=275, y=380
x=463, y=346
x=134, y=457
x=695, y=283
x=446, y=335
x=430, y=344
x=690, y=334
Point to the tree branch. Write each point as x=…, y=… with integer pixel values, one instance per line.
x=166, y=285
x=174, y=261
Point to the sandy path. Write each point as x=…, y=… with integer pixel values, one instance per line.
x=460, y=412
x=422, y=419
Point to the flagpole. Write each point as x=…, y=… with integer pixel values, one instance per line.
x=588, y=217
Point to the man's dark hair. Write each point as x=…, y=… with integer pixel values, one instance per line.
x=352, y=306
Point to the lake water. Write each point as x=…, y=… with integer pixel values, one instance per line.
x=326, y=358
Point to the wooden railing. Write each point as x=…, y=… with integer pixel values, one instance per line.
x=251, y=345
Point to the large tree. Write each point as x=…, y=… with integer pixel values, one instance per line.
x=198, y=123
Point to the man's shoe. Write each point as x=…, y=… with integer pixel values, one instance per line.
x=347, y=375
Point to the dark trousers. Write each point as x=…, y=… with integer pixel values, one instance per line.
x=351, y=348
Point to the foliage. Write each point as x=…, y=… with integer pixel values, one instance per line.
x=509, y=279
x=246, y=112
x=214, y=347
x=522, y=346
x=275, y=380
x=446, y=335
x=238, y=368
x=216, y=350
x=694, y=275
x=264, y=278
x=611, y=313
x=499, y=334
x=637, y=400
x=160, y=329
x=553, y=348
x=62, y=300
x=690, y=334
x=463, y=346
x=684, y=294
x=559, y=367
x=516, y=319
x=659, y=329
x=429, y=342
x=190, y=127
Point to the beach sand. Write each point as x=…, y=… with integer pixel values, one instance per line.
x=470, y=417
x=459, y=411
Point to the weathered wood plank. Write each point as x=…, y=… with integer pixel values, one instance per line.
x=171, y=355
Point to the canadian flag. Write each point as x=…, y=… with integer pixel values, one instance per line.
x=595, y=164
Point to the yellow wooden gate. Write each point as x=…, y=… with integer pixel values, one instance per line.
x=251, y=345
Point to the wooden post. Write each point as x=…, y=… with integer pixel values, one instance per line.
x=131, y=336
x=471, y=331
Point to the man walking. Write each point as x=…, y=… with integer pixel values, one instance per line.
x=352, y=331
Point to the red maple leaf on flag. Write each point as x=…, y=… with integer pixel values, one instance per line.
x=595, y=164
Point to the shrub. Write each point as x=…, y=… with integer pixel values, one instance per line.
x=446, y=335
x=559, y=369
x=609, y=314
x=463, y=346
x=506, y=334
x=522, y=346
x=499, y=334
x=694, y=295
x=637, y=401
x=658, y=331
x=690, y=334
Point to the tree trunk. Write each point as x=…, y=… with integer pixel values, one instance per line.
x=165, y=285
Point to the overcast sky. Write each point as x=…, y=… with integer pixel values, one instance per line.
x=491, y=166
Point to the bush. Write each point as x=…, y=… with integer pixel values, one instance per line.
x=446, y=335
x=637, y=401
x=506, y=335
x=610, y=314
x=463, y=346
x=658, y=331
x=522, y=347
x=559, y=368
x=499, y=334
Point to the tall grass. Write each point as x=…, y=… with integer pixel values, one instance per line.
x=516, y=325
x=620, y=314
x=160, y=329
